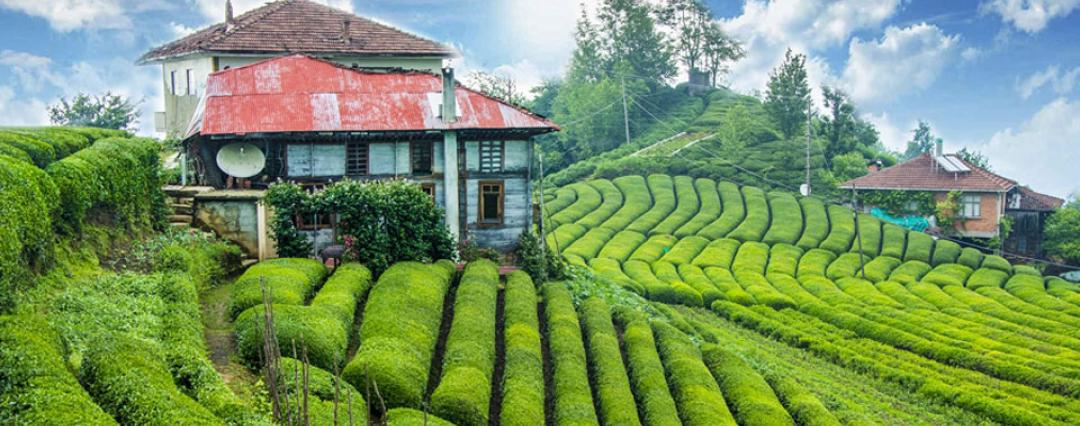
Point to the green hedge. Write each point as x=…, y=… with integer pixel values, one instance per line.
x=866, y=292
x=684, y=293
x=733, y=212
x=878, y=269
x=783, y=259
x=590, y=244
x=27, y=209
x=732, y=291
x=126, y=378
x=893, y=240
x=787, y=220
x=719, y=253
x=662, y=190
x=790, y=287
x=564, y=197
x=564, y=236
x=751, y=257
x=570, y=376
x=751, y=399
x=612, y=270
x=343, y=290
x=622, y=245
x=970, y=257
x=685, y=250
x=948, y=274
x=40, y=152
x=612, y=202
x=636, y=201
x=290, y=281
x=647, y=375
x=763, y=292
x=587, y=199
x=655, y=247
x=902, y=295
x=985, y=277
x=35, y=384
x=642, y=274
x=847, y=265
x=696, y=392
x=709, y=211
x=1026, y=270
x=685, y=209
x=523, y=382
x=464, y=392
x=815, y=262
x=757, y=216
x=803, y=405
x=63, y=140
x=827, y=290
x=841, y=232
x=909, y=272
x=616, y=402
x=1030, y=288
x=695, y=277
x=401, y=327
x=413, y=417
x=817, y=223
x=946, y=251
x=997, y=262
x=16, y=154
x=322, y=387
x=919, y=247
x=870, y=232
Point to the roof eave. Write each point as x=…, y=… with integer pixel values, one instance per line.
x=887, y=188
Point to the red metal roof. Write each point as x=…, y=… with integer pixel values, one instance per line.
x=303, y=94
x=922, y=173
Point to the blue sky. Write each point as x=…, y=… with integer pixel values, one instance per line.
x=1000, y=76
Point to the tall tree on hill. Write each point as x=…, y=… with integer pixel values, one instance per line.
x=787, y=96
x=975, y=157
x=588, y=64
x=718, y=51
x=838, y=124
x=689, y=20
x=922, y=141
x=634, y=43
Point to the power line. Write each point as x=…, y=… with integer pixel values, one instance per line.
x=592, y=114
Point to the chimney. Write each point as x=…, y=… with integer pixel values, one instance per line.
x=230, y=22
x=938, y=148
x=874, y=166
x=346, y=34
x=449, y=100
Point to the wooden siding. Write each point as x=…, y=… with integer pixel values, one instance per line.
x=515, y=156
x=516, y=213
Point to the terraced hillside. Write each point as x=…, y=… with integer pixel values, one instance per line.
x=944, y=323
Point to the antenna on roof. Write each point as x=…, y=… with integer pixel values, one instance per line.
x=230, y=22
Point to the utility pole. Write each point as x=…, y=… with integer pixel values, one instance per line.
x=625, y=112
x=808, y=149
x=543, y=229
x=858, y=233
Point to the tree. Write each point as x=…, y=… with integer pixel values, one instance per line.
x=719, y=50
x=922, y=141
x=633, y=43
x=848, y=166
x=787, y=96
x=689, y=20
x=839, y=124
x=587, y=63
x=974, y=157
x=108, y=111
x=497, y=86
x=1061, y=237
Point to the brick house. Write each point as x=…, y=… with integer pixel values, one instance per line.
x=986, y=198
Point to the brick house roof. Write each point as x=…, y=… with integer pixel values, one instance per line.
x=923, y=173
x=290, y=26
x=1031, y=200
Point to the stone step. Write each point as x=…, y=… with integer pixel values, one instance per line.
x=180, y=225
x=180, y=218
x=185, y=191
x=185, y=200
x=245, y=263
x=184, y=209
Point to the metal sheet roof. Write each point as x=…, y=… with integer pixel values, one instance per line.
x=302, y=94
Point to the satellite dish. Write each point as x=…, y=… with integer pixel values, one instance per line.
x=804, y=189
x=241, y=160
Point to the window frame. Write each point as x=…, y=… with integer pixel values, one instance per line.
x=481, y=204
x=429, y=189
x=430, y=146
x=971, y=201
x=172, y=82
x=365, y=158
x=500, y=152
x=189, y=77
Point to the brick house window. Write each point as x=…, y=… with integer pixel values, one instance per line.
x=491, y=202
x=422, y=157
x=356, y=159
x=971, y=206
x=491, y=156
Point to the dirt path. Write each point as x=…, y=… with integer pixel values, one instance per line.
x=220, y=342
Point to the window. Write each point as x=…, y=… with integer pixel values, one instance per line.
x=970, y=206
x=421, y=157
x=491, y=156
x=491, y=203
x=429, y=189
x=190, y=77
x=356, y=159
x=315, y=160
x=172, y=82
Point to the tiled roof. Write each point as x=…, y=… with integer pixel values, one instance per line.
x=923, y=173
x=300, y=26
x=1031, y=200
x=298, y=93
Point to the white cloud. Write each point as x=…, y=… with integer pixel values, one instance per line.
x=1044, y=151
x=542, y=32
x=970, y=54
x=21, y=111
x=33, y=71
x=892, y=136
x=1061, y=82
x=69, y=15
x=904, y=59
x=180, y=30
x=1030, y=16
x=214, y=10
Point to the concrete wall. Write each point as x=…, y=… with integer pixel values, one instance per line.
x=233, y=220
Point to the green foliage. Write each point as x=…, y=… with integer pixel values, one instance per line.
x=968, y=256
x=205, y=258
x=540, y=262
x=41, y=153
x=919, y=246
x=751, y=399
x=696, y=392
x=751, y=257
x=637, y=201
x=804, y=407
x=842, y=230
x=35, y=384
x=612, y=201
x=586, y=200
x=523, y=385
x=815, y=262
x=784, y=259
x=1060, y=233
x=732, y=216
x=720, y=253
x=900, y=203
x=787, y=96
x=757, y=216
x=996, y=262
x=878, y=269
x=849, y=166
x=616, y=402
x=654, y=248
x=27, y=205
x=65, y=141
x=922, y=141
x=709, y=211
x=322, y=387
x=622, y=245
x=570, y=377
x=663, y=194
x=686, y=207
x=817, y=223
x=290, y=281
x=893, y=240
x=589, y=245
x=787, y=220
x=869, y=236
x=413, y=417
x=464, y=390
x=400, y=330
x=107, y=111
x=646, y=373
x=948, y=274
x=685, y=250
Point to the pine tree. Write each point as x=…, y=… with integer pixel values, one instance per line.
x=922, y=141
x=788, y=94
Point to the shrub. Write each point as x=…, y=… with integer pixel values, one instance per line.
x=570, y=376
x=790, y=287
x=723, y=280
x=842, y=230
x=1026, y=270
x=662, y=189
x=985, y=277
x=757, y=216
x=612, y=201
x=909, y=272
x=322, y=387
x=695, y=277
x=783, y=259
x=847, y=265
x=647, y=374
x=654, y=248
x=919, y=246
x=1030, y=288
x=902, y=295
x=893, y=240
x=589, y=245
x=401, y=326
x=997, y=262
x=751, y=399
x=16, y=154
x=40, y=152
x=817, y=223
x=564, y=197
x=815, y=262
x=709, y=211
x=126, y=379
x=616, y=402
x=621, y=245
x=686, y=295
x=826, y=290
x=686, y=208
x=636, y=201
x=948, y=274
x=413, y=417
x=564, y=236
x=719, y=253
x=787, y=220
x=540, y=262
x=866, y=292
x=464, y=391
x=587, y=200
x=63, y=141
x=970, y=257
x=27, y=206
x=696, y=393
x=733, y=212
x=946, y=251
x=878, y=269
x=870, y=234
x=523, y=383
x=763, y=292
x=35, y=384
x=612, y=270
x=642, y=274
x=752, y=257
x=289, y=281
x=804, y=406
x=685, y=250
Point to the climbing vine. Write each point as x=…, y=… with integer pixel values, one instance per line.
x=900, y=203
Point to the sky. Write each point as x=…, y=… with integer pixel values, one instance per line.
x=998, y=76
